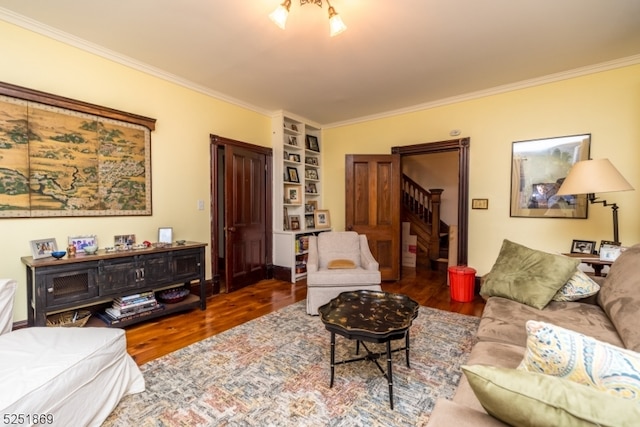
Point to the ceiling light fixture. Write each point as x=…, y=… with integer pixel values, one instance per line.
x=279, y=16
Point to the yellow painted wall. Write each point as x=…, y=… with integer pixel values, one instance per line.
x=605, y=104
x=179, y=148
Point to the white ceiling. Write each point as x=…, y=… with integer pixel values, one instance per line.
x=396, y=54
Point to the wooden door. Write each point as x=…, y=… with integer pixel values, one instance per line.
x=245, y=217
x=373, y=207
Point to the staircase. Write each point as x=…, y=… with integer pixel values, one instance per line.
x=421, y=208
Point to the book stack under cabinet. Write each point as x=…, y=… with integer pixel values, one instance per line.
x=130, y=307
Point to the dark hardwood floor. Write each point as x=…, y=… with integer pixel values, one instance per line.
x=149, y=340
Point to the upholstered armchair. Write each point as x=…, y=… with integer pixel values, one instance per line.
x=339, y=261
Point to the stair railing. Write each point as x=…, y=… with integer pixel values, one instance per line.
x=425, y=204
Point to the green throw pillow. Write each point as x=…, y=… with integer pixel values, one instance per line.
x=522, y=398
x=527, y=276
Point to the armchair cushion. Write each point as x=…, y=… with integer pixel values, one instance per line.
x=338, y=264
x=344, y=245
x=339, y=261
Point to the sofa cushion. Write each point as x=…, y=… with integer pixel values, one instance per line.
x=503, y=320
x=563, y=353
x=579, y=286
x=526, y=275
x=487, y=353
x=447, y=414
x=531, y=399
x=619, y=296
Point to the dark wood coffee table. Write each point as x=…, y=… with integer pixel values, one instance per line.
x=370, y=316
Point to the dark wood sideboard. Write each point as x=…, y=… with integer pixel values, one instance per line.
x=93, y=281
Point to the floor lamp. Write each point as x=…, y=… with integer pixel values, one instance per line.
x=595, y=176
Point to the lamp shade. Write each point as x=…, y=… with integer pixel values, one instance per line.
x=593, y=176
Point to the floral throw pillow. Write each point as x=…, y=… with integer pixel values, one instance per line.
x=577, y=287
x=563, y=353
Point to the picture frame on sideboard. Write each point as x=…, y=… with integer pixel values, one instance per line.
x=42, y=248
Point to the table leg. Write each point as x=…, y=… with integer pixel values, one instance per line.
x=389, y=374
x=406, y=346
x=333, y=357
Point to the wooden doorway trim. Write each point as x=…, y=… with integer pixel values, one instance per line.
x=219, y=144
x=462, y=147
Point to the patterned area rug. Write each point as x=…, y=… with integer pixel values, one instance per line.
x=274, y=371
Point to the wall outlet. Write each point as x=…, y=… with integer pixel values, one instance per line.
x=200, y=205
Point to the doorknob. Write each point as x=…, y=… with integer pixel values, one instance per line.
x=231, y=229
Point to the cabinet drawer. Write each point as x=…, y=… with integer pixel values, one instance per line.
x=187, y=265
x=70, y=286
x=157, y=269
x=115, y=277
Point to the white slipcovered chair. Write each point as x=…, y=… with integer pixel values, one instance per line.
x=63, y=376
x=339, y=261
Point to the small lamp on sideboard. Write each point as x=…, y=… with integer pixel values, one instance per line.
x=595, y=176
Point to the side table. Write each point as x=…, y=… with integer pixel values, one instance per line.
x=592, y=261
x=370, y=316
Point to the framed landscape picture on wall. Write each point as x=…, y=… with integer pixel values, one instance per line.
x=538, y=169
x=67, y=158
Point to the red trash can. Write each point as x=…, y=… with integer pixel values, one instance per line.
x=462, y=283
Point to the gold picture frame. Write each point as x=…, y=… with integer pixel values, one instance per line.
x=322, y=218
x=538, y=168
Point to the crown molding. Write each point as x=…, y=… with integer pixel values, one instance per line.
x=40, y=28
x=524, y=84
x=61, y=36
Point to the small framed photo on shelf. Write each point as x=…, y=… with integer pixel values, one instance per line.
x=292, y=173
x=322, y=219
x=309, y=221
x=310, y=207
x=42, y=248
x=294, y=220
x=313, y=161
x=285, y=219
x=294, y=127
x=293, y=140
x=583, y=247
x=311, y=174
x=81, y=242
x=311, y=188
x=311, y=143
x=292, y=194
x=294, y=158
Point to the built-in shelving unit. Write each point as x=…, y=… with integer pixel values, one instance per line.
x=297, y=149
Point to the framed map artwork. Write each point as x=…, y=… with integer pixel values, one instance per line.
x=61, y=158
